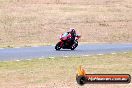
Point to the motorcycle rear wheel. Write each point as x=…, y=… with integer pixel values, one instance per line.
x=74, y=45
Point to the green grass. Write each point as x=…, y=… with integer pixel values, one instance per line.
x=26, y=45
x=45, y=70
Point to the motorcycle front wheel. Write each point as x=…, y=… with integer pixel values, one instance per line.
x=58, y=47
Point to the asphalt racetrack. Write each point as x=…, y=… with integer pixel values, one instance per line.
x=28, y=53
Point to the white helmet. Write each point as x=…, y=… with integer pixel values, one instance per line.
x=72, y=30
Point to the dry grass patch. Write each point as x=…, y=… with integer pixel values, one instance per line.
x=61, y=72
x=29, y=22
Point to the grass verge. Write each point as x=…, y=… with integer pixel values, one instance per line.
x=42, y=71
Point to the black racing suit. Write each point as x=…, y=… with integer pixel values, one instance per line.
x=73, y=36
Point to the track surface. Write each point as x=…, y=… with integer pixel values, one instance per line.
x=49, y=51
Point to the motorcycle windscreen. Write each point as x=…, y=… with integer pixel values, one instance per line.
x=64, y=36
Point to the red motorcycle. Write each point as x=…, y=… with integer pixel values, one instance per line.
x=65, y=42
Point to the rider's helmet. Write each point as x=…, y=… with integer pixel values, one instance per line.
x=72, y=31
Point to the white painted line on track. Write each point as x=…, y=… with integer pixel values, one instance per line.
x=17, y=60
x=100, y=54
x=2, y=48
x=52, y=45
x=113, y=53
x=35, y=46
x=65, y=56
x=124, y=52
x=17, y=47
x=86, y=55
x=51, y=57
x=40, y=58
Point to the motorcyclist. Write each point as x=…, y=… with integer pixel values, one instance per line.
x=73, y=35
